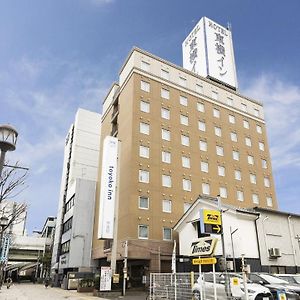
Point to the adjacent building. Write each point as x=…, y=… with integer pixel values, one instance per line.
x=74, y=225
x=180, y=135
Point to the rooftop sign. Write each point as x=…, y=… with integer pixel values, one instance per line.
x=208, y=51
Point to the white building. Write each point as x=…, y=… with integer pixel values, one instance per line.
x=74, y=227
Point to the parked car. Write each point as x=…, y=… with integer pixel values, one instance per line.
x=276, y=285
x=255, y=291
x=293, y=279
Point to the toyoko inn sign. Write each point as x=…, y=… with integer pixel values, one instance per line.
x=208, y=51
x=108, y=188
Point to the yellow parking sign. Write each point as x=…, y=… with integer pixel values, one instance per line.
x=212, y=217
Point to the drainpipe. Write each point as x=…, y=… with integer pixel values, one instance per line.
x=292, y=241
x=265, y=236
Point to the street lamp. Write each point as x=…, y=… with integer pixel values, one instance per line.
x=3, y=224
x=8, y=140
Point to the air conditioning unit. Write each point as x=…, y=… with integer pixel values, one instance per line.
x=274, y=252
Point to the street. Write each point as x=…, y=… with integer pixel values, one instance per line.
x=29, y=291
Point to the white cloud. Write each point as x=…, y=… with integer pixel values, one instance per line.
x=281, y=101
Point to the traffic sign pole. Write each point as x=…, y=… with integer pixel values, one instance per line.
x=214, y=279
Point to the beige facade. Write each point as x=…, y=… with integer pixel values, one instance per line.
x=181, y=135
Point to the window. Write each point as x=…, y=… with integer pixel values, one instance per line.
x=219, y=150
x=182, y=81
x=229, y=101
x=240, y=195
x=145, y=66
x=145, y=86
x=165, y=74
x=233, y=136
x=253, y=178
x=184, y=120
x=144, y=151
x=267, y=182
x=218, y=131
x=186, y=185
x=235, y=155
x=143, y=176
x=199, y=88
x=166, y=181
x=223, y=192
x=165, y=134
x=203, y=146
x=183, y=100
x=167, y=206
x=261, y=146
x=186, y=206
x=65, y=247
x=256, y=112
x=246, y=124
x=205, y=188
x=165, y=113
x=165, y=94
x=237, y=175
x=70, y=203
x=264, y=164
x=250, y=160
x=143, y=231
x=231, y=119
x=216, y=113
x=214, y=95
x=144, y=128
x=167, y=234
x=144, y=106
x=204, y=166
x=201, y=126
x=186, y=162
x=269, y=201
x=244, y=107
x=221, y=171
x=166, y=157
x=67, y=225
x=200, y=107
x=259, y=129
x=185, y=140
x=143, y=202
x=255, y=198
x=248, y=141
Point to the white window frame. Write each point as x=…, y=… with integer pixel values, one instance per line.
x=244, y=107
x=167, y=206
x=269, y=201
x=186, y=185
x=219, y=150
x=202, y=126
x=144, y=198
x=223, y=192
x=200, y=107
x=186, y=162
x=145, y=66
x=165, y=74
x=199, y=88
x=183, y=100
x=218, y=131
x=246, y=124
x=237, y=175
x=248, y=141
x=255, y=198
x=166, y=157
x=258, y=129
x=143, y=237
x=165, y=134
x=185, y=140
x=264, y=164
x=240, y=195
x=229, y=101
x=261, y=146
x=215, y=95
x=216, y=113
x=144, y=128
x=144, y=106
x=166, y=180
x=169, y=230
x=144, y=151
x=233, y=136
x=203, y=145
x=164, y=93
x=184, y=120
x=204, y=166
x=165, y=113
x=253, y=178
x=145, y=86
x=231, y=119
x=250, y=159
x=221, y=171
x=256, y=112
x=144, y=176
x=235, y=155
x=267, y=182
x=205, y=188
x=182, y=81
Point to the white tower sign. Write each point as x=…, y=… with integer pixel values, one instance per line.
x=208, y=51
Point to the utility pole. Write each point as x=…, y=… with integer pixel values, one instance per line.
x=244, y=277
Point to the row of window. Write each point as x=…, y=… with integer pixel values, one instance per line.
x=143, y=232
x=69, y=204
x=144, y=151
x=144, y=177
x=184, y=120
x=65, y=247
x=144, y=202
x=165, y=94
x=185, y=139
x=67, y=225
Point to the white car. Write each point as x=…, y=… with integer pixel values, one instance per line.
x=255, y=291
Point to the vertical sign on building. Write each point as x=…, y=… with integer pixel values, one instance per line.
x=108, y=188
x=208, y=51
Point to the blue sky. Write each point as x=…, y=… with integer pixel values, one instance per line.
x=58, y=55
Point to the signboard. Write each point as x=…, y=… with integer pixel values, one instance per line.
x=105, y=279
x=205, y=261
x=210, y=221
x=108, y=188
x=208, y=51
x=204, y=246
x=6, y=240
